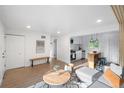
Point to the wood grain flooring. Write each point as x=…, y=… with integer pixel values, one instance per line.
x=27, y=76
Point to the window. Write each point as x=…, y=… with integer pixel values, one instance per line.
x=40, y=46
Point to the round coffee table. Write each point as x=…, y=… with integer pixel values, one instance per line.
x=59, y=77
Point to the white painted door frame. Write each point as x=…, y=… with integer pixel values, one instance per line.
x=2, y=57
x=15, y=51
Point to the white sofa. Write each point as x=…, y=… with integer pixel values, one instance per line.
x=88, y=75
x=95, y=79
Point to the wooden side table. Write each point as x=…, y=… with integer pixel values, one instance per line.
x=93, y=59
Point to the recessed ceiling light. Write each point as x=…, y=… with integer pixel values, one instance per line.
x=28, y=26
x=58, y=32
x=99, y=21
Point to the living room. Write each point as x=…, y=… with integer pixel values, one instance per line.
x=33, y=43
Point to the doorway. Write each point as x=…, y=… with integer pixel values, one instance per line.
x=14, y=51
x=55, y=48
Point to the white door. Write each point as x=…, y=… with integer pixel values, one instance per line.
x=2, y=57
x=14, y=51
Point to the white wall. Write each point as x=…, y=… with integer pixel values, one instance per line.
x=52, y=44
x=63, y=42
x=63, y=48
x=76, y=46
x=1, y=29
x=1, y=51
x=30, y=44
x=89, y=31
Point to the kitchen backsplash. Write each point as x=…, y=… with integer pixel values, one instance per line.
x=76, y=47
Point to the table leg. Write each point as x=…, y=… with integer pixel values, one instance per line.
x=47, y=60
x=32, y=63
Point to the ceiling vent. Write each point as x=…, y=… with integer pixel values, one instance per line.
x=43, y=37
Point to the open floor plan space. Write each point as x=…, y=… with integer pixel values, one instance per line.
x=61, y=46
x=27, y=76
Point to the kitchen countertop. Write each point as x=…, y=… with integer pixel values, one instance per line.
x=77, y=50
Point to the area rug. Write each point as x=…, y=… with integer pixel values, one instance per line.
x=73, y=83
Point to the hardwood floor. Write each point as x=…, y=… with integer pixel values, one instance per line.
x=27, y=76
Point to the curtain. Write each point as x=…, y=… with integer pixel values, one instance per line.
x=119, y=13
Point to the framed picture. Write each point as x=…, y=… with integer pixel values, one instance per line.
x=40, y=46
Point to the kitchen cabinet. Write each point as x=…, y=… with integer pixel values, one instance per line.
x=78, y=55
x=77, y=40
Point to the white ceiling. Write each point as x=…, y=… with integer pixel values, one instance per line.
x=50, y=19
